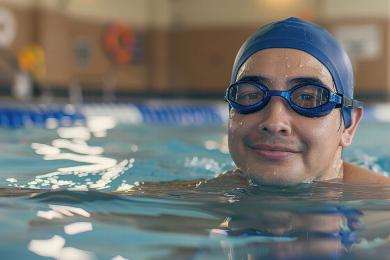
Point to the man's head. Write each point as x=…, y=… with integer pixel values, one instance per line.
x=285, y=127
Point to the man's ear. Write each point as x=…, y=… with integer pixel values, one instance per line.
x=348, y=133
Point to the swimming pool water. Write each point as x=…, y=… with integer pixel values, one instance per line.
x=50, y=208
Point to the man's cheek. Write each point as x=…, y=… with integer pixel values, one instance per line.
x=235, y=139
x=235, y=125
x=318, y=141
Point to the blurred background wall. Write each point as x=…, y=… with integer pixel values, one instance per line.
x=120, y=49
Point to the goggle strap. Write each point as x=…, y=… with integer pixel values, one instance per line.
x=351, y=103
x=357, y=103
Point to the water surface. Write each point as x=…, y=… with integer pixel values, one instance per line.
x=64, y=195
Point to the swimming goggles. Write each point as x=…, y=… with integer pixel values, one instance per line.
x=307, y=99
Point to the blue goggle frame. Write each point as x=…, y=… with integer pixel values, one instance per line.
x=335, y=100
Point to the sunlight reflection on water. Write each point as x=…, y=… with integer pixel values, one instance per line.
x=72, y=146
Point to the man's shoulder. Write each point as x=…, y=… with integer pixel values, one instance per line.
x=358, y=175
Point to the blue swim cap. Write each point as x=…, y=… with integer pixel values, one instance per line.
x=294, y=33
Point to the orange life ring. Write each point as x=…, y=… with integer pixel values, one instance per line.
x=119, y=42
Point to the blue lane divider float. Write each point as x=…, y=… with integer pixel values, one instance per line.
x=216, y=113
x=38, y=115
x=181, y=115
x=139, y=113
x=161, y=113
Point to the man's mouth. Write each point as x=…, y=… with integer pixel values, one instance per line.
x=274, y=152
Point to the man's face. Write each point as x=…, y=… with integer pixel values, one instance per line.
x=276, y=145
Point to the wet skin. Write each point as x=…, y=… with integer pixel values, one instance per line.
x=278, y=146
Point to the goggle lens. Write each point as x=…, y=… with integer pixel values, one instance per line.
x=246, y=94
x=310, y=96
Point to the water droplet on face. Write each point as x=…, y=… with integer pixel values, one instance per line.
x=300, y=62
x=241, y=123
x=288, y=65
x=286, y=76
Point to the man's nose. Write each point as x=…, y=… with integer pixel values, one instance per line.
x=276, y=116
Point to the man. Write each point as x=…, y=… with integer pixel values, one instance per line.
x=292, y=113
x=292, y=110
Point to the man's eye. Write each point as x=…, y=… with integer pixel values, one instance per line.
x=249, y=96
x=307, y=97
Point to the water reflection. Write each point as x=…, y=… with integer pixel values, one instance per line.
x=78, y=227
x=55, y=246
x=288, y=231
x=58, y=211
x=78, y=147
x=321, y=221
x=221, y=145
x=95, y=172
x=47, y=247
x=196, y=221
